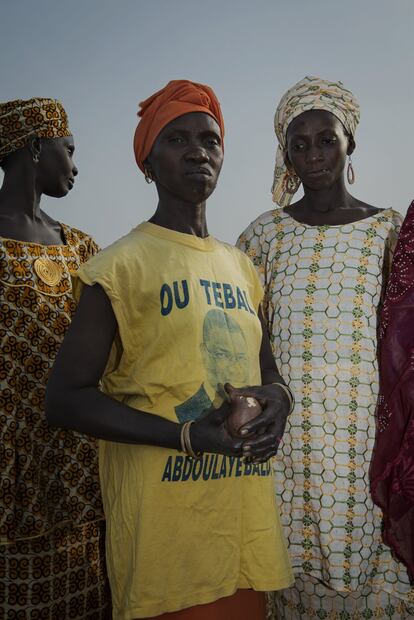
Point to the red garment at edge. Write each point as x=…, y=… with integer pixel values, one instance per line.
x=392, y=467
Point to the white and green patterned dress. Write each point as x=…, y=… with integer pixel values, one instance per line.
x=322, y=289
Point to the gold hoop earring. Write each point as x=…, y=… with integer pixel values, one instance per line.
x=350, y=174
x=292, y=183
x=148, y=176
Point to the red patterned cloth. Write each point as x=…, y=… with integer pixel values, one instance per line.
x=392, y=467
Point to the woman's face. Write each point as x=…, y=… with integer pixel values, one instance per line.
x=317, y=146
x=187, y=156
x=56, y=171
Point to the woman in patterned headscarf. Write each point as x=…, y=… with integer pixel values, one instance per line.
x=323, y=261
x=51, y=518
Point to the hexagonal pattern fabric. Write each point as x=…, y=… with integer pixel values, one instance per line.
x=323, y=285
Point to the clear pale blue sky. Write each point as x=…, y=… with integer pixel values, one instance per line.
x=101, y=58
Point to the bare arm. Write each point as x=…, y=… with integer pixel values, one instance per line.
x=268, y=368
x=74, y=401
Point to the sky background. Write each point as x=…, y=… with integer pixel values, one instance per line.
x=101, y=58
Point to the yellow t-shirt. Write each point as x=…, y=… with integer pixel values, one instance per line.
x=182, y=532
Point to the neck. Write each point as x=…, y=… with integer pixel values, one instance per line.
x=19, y=195
x=184, y=217
x=329, y=199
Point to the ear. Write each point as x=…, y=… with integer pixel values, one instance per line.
x=35, y=148
x=351, y=145
x=147, y=164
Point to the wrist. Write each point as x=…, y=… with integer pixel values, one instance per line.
x=197, y=437
x=288, y=393
x=189, y=440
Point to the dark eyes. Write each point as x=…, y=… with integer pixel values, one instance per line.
x=209, y=142
x=300, y=146
x=176, y=140
x=214, y=142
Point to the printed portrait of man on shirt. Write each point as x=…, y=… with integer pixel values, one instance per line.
x=225, y=359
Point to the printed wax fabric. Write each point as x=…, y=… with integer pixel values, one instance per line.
x=392, y=470
x=51, y=515
x=23, y=119
x=311, y=93
x=310, y=598
x=322, y=290
x=182, y=531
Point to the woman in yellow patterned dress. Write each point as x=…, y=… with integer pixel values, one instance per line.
x=51, y=518
x=322, y=262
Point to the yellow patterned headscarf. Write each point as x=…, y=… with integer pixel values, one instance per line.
x=311, y=93
x=22, y=119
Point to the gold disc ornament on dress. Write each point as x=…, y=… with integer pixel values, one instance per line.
x=48, y=271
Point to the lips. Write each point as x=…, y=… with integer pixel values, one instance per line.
x=71, y=183
x=203, y=172
x=311, y=173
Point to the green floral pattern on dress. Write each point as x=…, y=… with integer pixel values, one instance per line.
x=323, y=285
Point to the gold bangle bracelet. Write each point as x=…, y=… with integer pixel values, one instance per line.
x=185, y=440
x=288, y=393
x=182, y=442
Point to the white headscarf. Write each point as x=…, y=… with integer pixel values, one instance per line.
x=311, y=93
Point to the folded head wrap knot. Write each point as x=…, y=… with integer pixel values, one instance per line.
x=23, y=119
x=177, y=98
x=311, y=93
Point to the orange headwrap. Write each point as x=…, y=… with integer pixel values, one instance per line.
x=177, y=98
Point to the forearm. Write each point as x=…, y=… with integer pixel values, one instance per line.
x=268, y=369
x=271, y=375
x=90, y=411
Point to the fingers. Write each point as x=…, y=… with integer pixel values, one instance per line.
x=270, y=420
x=259, y=425
x=263, y=458
x=211, y=435
x=261, y=448
x=270, y=393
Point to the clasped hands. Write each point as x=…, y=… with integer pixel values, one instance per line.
x=259, y=439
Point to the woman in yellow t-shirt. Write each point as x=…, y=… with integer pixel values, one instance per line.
x=167, y=316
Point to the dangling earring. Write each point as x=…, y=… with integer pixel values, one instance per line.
x=148, y=176
x=350, y=174
x=292, y=183
x=35, y=146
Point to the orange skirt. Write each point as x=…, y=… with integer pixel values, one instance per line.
x=243, y=605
